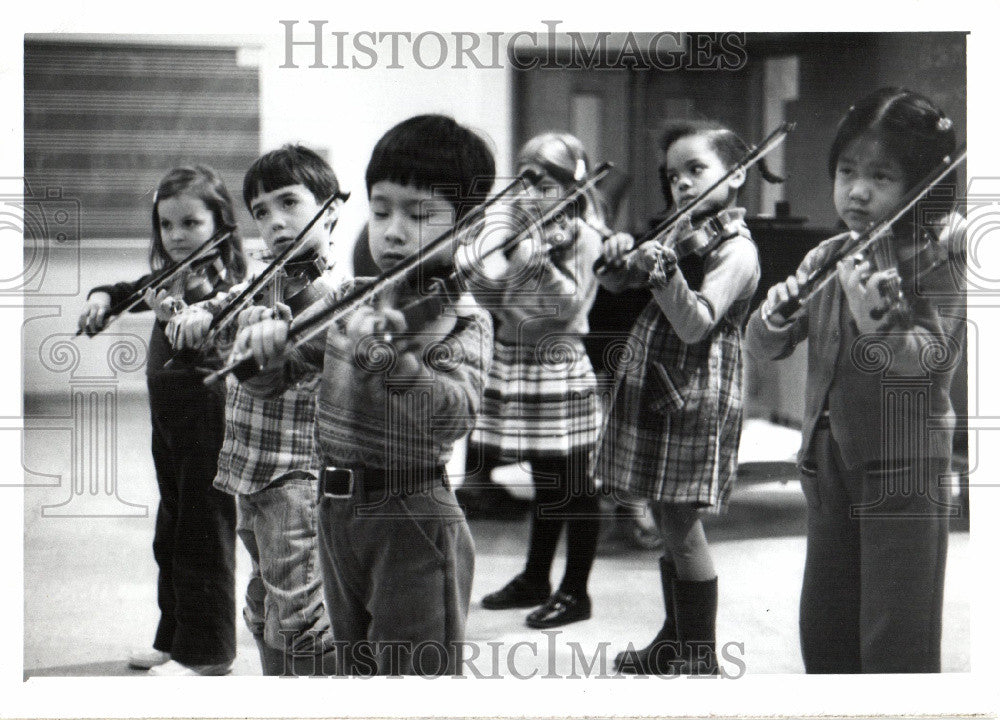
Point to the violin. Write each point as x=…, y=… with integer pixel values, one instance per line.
x=304, y=329
x=754, y=155
x=294, y=285
x=201, y=258
x=913, y=263
x=870, y=244
x=254, y=288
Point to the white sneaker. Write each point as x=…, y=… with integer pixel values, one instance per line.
x=146, y=658
x=173, y=668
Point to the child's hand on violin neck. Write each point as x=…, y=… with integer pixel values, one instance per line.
x=257, y=313
x=385, y=324
x=651, y=255
x=616, y=246
x=867, y=291
x=163, y=303
x=380, y=322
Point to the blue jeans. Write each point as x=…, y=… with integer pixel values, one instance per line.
x=873, y=588
x=284, y=600
x=397, y=574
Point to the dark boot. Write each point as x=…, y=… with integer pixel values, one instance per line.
x=272, y=660
x=661, y=655
x=696, y=604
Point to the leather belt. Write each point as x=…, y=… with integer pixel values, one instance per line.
x=341, y=482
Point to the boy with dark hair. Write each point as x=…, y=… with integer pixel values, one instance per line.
x=267, y=459
x=396, y=551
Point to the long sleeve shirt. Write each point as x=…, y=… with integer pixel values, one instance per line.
x=368, y=414
x=862, y=380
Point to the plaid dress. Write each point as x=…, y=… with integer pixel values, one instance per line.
x=540, y=400
x=673, y=426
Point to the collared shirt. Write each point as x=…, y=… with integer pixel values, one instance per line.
x=266, y=436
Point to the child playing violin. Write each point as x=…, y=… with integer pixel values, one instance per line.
x=395, y=549
x=873, y=586
x=541, y=403
x=195, y=535
x=674, y=424
x=267, y=460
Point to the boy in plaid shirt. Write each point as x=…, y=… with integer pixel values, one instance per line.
x=267, y=459
x=396, y=551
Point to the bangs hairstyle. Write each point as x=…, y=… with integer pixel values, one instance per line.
x=290, y=165
x=727, y=145
x=205, y=184
x=435, y=153
x=911, y=128
x=562, y=157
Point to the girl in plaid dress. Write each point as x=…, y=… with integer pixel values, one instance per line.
x=540, y=404
x=674, y=423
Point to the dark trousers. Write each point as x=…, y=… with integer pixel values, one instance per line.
x=194, y=543
x=397, y=575
x=872, y=593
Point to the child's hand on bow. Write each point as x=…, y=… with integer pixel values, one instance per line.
x=188, y=328
x=613, y=249
x=256, y=313
x=95, y=313
x=788, y=289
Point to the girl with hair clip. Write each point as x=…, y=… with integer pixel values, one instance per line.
x=674, y=424
x=873, y=586
x=540, y=404
x=195, y=531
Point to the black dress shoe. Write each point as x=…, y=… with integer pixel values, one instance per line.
x=560, y=609
x=518, y=593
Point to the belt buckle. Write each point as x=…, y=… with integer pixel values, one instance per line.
x=337, y=475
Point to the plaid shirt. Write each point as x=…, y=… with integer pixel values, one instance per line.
x=366, y=416
x=266, y=437
x=674, y=424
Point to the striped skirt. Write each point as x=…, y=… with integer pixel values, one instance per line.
x=539, y=401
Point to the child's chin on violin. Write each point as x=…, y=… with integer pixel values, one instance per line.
x=675, y=419
x=857, y=610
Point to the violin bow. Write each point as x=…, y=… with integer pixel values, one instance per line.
x=229, y=313
x=823, y=274
x=163, y=277
x=754, y=155
x=311, y=325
